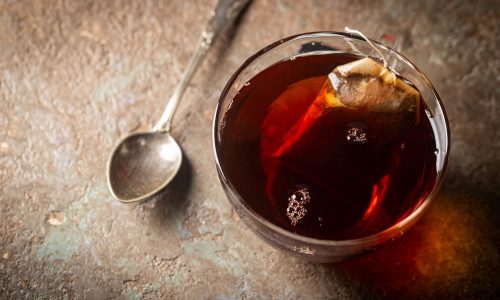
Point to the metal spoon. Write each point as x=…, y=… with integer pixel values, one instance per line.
x=144, y=163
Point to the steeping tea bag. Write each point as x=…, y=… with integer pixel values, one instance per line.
x=363, y=85
x=363, y=109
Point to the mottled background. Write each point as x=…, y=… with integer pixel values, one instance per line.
x=77, y=75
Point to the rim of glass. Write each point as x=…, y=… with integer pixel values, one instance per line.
x=323, y=242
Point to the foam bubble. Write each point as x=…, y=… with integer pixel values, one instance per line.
x=297, y=202
x=356, y=135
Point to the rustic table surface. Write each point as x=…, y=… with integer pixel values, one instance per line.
x=77, y=75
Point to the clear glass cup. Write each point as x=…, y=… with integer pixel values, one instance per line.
x=310, y=43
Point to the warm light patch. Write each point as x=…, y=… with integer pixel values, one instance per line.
x=378, y=194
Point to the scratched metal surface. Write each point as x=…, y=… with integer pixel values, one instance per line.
x=77, y=75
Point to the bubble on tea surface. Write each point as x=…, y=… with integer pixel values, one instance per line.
x=297, y=201
x=356, y=135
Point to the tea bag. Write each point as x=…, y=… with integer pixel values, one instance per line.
x=353, y=94
x=364, y=85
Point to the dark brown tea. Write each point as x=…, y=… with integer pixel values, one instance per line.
x=340, y=174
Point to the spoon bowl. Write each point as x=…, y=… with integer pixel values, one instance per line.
x=142, y=164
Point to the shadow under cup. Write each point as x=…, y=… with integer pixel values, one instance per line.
x=309, y=44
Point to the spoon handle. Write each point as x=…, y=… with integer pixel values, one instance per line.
x=225, y=12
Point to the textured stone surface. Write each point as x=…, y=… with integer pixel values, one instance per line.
x=77, y=75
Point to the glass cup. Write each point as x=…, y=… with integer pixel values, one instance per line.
x=312, y=43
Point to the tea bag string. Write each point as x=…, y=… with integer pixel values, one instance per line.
x=354, y=31
x=385, y=69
